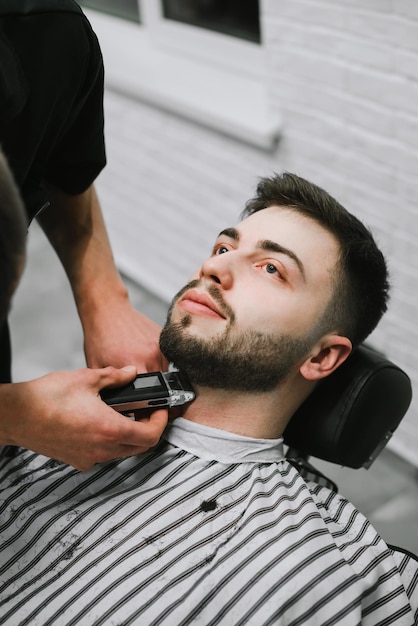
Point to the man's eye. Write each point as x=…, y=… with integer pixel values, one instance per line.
x=221, y=250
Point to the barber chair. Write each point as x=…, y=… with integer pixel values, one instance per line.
x=351, y=415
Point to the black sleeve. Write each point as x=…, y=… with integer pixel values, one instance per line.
x=54, y=130
x=79, y=152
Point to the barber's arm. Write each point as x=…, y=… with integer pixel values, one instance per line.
x=62, y=416
x=114, y=332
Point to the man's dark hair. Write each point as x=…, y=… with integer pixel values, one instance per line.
x=361, y=281
x=13, y=227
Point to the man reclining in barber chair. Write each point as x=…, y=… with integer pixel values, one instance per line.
x=214, y=525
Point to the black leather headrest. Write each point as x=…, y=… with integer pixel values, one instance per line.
x=351, y=415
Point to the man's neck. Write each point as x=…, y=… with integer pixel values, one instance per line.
x=259, y=415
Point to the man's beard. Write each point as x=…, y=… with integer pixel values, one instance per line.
x=247, y=361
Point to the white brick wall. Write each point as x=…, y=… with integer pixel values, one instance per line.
x=343, y=75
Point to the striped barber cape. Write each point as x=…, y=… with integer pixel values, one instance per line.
x=207, y=528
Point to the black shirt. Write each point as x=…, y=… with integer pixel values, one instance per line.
x=51, y=97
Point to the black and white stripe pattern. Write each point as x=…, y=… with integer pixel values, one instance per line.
x=174, y=537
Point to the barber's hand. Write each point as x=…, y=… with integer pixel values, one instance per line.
x=114, y=332
x=121, y=335
x=61, y=416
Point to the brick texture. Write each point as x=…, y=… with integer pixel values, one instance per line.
x=343, y=76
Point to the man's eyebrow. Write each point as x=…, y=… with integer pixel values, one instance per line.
x=230, y=232
x=268, y=245
x=272, y=246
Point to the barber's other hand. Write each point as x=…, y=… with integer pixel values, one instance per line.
x=120, y=335
x=62, y=416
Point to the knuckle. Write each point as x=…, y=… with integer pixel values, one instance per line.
x=109, y=432
x=153, y=439
x=105, y=372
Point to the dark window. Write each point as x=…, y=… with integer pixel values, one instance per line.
x=128, y=9
x=239, y=18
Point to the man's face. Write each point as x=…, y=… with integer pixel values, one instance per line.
x=252, y=311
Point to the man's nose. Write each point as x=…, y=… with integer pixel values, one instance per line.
x=218, y=269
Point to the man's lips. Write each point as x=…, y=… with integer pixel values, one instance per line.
x=200, y=304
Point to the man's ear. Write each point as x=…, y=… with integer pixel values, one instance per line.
x=328, y=355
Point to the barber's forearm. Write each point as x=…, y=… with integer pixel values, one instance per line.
x=114, y=332
x=75, y=227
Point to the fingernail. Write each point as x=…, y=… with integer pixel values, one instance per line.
x=129, y=368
